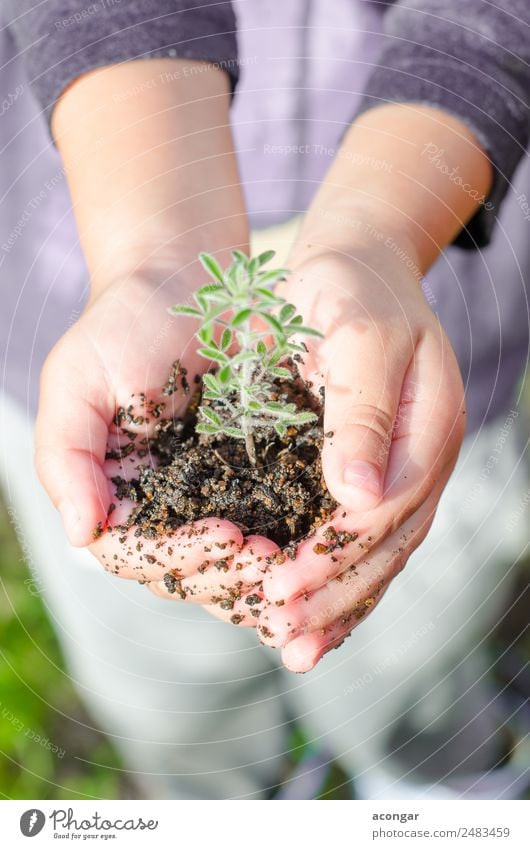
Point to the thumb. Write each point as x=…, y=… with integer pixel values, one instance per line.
x=71, y=438
x=362, y=394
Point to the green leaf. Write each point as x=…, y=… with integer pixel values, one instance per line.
x=280, y=428
x=211, y=382
x=309, y=331
x=210, y=291
x=270, y=277
x=241, y=317
x=302, y=418
x=212, y=266
x=296, y=320
x=182, y=309
x=205, y=334
x=212, y=313
x=261, y=348
x=226, y=339
x=273, y=322
x=203, y=303
x=234, y=431
x=212, y=354
x=240, y=257
x=281, y=372
x=274, y=406
x=210, y=415
x=265, y=257
x=274, y=358
x=254, y=406
x=295, y=349
x=263, y=386
x=244, y=357
x=225, y=374
x=253, y=267
x=270, y=297
x=206, y=428
x=287, y=312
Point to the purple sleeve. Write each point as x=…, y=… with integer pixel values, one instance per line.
x=62, y=39
x=470, y=58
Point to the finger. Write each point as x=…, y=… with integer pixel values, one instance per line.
x=362, y=393
x=331, y=555
x=430, y=427
x=341, y=541
x=139, y=413
x=308, y=629
x=303, y=654
x=157, y=383
x=75, y=410
x=205, y=591
x=346, y=598
x=238, y=614
x=234, y=578
x=171, y=557
x=240, y=617
x=424, y=450
x=224, y=581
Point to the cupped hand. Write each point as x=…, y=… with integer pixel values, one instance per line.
x=311, y=625
x=394, y=421
x=120, y=353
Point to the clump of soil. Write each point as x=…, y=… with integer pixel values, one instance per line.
x=285, y=498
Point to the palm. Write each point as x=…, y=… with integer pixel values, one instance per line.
x=395, y=400
x=120, y=354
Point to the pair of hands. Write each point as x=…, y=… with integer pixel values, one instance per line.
x=393, y=401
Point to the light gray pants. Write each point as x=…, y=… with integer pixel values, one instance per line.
x=199, y=709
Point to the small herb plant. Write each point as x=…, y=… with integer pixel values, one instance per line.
x=247, y=330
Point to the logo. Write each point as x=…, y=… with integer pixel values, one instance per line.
x=32, y=822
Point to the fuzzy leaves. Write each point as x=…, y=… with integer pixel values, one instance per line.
x=238, y=312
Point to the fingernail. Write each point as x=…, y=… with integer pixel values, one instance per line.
x=363, y=476
x=70, y=518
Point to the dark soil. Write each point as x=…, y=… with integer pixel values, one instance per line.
x=199, y=476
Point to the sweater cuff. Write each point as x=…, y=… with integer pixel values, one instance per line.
x=92, y=36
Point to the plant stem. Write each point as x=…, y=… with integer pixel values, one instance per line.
x=246, y=377
x=251, y=449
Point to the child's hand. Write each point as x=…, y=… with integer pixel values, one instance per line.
x=123, y=345
x=394, y=415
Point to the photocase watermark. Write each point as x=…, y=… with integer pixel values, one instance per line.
x=86, y=14
x=435, y=155
x=493, y=460
x=161, y=335
x=182, y=71
x=32, y=822
x=40, y=740
x=356, y=600
x=368, y=230
x=66, y=824
x=10, y=98
x=524, y=204
x=33, y=584
x=411, y=394
x=390, y=659
x=332, y=152
x=66, y=820
x=31, y=207
x=74, y=316
x=521, y=510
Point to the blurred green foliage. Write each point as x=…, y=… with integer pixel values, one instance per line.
x=48, y=746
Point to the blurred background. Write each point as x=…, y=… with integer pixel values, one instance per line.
x=49, y=746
